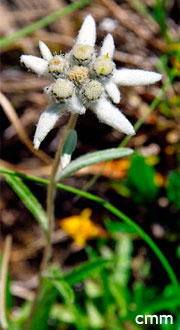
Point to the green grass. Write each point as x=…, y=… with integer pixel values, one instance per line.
x=114, y=211
x=45, y=21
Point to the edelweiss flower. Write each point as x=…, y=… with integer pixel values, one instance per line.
x=83, y=79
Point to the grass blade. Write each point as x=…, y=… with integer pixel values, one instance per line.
x=28, y=199
x=85, y=270
x=47, y=297
x=64, y=290
x=42, y=22
x=114, y=211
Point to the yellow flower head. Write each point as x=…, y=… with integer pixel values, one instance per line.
x=80, y=227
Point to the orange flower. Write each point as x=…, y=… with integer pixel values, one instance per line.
x=81, y=228
x=114, y=169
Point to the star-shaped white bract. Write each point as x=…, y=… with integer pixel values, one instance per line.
x=83, y=79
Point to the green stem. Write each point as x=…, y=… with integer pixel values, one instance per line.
x=50, y=216
x=42, y=23
x=51, y=191
x=114, y=211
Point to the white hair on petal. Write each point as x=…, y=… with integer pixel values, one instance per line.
x=113, y=92
x=45, y=51
x=135, y=77
x=107, y=113
x=35, y=64
x=87, y=32
x=108, y=46
x=46, y=122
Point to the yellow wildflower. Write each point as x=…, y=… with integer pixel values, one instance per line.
x=80, y=227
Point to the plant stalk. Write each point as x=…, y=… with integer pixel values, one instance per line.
x=3, y=280
x=51, y=192
x=50, y=215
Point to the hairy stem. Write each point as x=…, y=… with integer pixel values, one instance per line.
x=50, y=215
x=51, y=192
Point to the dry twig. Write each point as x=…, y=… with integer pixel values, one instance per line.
x=3, y=279
x=12, y=116
x=122, y=15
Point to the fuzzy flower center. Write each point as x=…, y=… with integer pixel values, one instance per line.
x=63, y=88
x=103, y=65
x=57, y=64
x=82, y=52
x=78, y=74
x=93, y=90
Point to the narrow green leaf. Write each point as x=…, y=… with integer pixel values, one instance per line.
x=120, y=295
x=8, y=284
x=114, y=211
x=64, y=290
x=81, y=272
x=28, y=199
x=122, y=260
x=8, y=299
x=178, y=251
x=68, y=148
x=141, y=181
x=92, y=288
x=45, y=21
x=85, y=270
x=63, y=313
x=173, y=189
x=78, y=274
x=159, y=14
x=115, y=227
x=17, y=322
x=46, y=299
x=93, y=158
x=95, y=319
x=160, y=304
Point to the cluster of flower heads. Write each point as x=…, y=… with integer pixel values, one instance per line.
x=84, y=79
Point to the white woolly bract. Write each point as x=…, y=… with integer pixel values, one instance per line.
x=35, y=64
x=75, y=105
x=87, y=32
x=46, y=122
x=113, y=92
x=135, y=77
x=107, y=113
x=65, y=160
x=45, y=51
x=108, y=46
